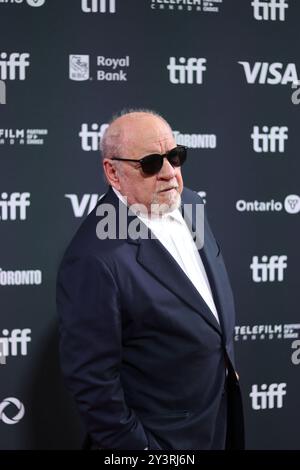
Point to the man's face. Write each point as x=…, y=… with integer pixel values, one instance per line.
x=144, y=134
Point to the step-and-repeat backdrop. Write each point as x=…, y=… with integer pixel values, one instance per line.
x=224, y=73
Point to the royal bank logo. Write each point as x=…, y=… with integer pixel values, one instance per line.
x=83, y=205
x=265, y=73
x=269, y=139
x=90, y=136
x=31, y=3
x=267, y=397
x=196, y=141
x=14, y=206
x=98, y=6
x=23, y=136
x=271, y=10
x=109, y=69
x=291, y=205
x=20, y=277
x=268, y=269
x=212, y=6
x=279, y=331
x=13, y=66
x=186, y=70
x=79, y=67
x=11, y=410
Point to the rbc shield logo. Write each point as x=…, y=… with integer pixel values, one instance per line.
x=79, y=67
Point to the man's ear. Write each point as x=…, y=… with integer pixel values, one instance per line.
x=111, y=173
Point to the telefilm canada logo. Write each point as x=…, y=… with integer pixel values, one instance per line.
x=211, y=6
x=263, y=332
x=105, y=69
x=23, y=136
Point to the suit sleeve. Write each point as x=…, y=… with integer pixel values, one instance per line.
x=91, y=352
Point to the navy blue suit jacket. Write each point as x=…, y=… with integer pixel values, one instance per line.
x=141, y=352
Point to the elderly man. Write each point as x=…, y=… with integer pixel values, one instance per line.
x=147, y=322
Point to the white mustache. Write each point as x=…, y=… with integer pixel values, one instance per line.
x=167, y=188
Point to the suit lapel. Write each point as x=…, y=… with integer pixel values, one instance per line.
x=209, y=254
x=153, y=256
x=156, y=259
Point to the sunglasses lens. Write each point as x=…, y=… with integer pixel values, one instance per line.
x=152, y=164
x=177, y=156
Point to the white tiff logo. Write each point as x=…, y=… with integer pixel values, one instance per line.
x=268, y=397
x=98, y=6
x=90, y=138
x=14, y=342
x=9, y=206
x=268, y=269
x=13, y=66
x=269, y=139
x=263, y=10
x=187, y=71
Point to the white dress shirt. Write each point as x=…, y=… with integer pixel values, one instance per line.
x=171, y=230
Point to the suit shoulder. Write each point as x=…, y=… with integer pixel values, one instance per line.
x=189, y=196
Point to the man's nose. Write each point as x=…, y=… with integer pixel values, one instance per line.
x=167, y=170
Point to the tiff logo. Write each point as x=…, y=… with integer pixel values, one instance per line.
x=90, y=138
x=187, y=71
x=98, y=6
x=14, y=206
x=267, y=10
x=2, y=92
x=14, y=343
x=268, y=397
x=268, y=269
x=13, y=66
x=269, y=139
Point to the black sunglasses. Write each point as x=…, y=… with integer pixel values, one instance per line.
x=152, y=164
